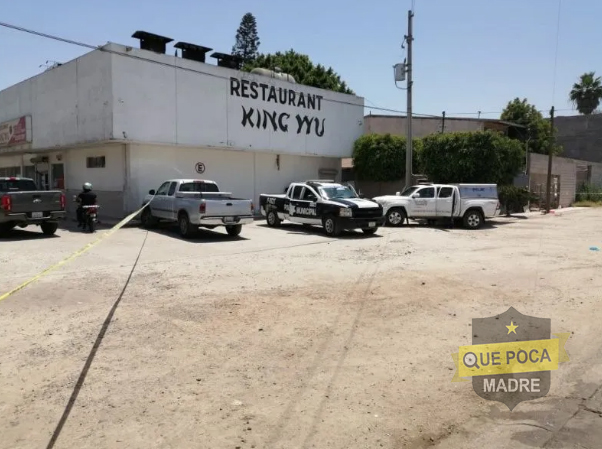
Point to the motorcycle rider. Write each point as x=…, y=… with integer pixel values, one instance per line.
x=86, y=198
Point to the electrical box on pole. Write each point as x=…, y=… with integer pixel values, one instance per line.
x=400, y=71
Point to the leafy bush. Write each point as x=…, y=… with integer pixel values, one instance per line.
x=514, y=199
x=471, y=157
x=589, y=193
x=382, y=157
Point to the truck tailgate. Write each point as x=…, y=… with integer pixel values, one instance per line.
x=228, y=207
x=39, y=201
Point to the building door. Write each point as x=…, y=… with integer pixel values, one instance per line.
x=42, y=170
x=29, y=171
x=58, y=176
x=43, y=181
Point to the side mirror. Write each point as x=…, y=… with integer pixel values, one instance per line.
x=416, y=195
x=151, y=192
x=398, y=193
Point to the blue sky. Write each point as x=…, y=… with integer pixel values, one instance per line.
x=469, y=55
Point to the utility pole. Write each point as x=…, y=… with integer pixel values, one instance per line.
x=409, y=149
x=443, y=123
x=550, y=151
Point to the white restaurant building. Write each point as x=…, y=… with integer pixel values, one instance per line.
x=126, y=119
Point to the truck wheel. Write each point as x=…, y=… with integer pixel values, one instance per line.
x=234, y=230
x=147, y=219
x=369, y=231
x=473, y=219
x=272, y=219
x=187, y=230
x=331, y=226
x=396, y=217
x=49, y=228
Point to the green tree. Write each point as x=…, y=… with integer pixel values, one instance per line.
x=302, y=69
x=587, y=93
x=536, y=135
x=247, y=39
x=381, y=157
x=479, y=157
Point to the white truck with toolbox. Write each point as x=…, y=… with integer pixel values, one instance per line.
x=194, y=203
x=473, y=203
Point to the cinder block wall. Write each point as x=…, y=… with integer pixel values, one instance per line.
x=567, y=170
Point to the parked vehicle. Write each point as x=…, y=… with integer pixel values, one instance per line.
x=22, y=205
x=193, y=203
x=333, y=206
x=472, y=203
x=90, y=217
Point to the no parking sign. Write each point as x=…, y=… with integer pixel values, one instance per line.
x=200, y=167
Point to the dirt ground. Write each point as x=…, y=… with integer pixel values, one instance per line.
x=284, y=338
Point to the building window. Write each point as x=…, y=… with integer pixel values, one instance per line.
x=95, y=162
x=10, y=171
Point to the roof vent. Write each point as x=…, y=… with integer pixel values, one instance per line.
x=229, y=61
x=192, y=51
x=152, y=42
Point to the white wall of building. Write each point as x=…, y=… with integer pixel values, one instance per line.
x=245, y=174
x=190, y=103
x=10, y=161
x=111, y=178
x=68, y=104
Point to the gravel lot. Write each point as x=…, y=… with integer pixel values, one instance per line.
x=284, y=338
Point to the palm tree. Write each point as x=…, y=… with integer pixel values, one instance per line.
x=587, y=93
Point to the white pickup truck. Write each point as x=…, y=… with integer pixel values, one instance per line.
x=194, y=203
x=472, y=203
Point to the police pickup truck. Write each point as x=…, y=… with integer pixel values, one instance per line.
x=333, y=206
x=471, y=203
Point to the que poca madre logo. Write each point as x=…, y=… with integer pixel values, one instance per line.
x=511, y=357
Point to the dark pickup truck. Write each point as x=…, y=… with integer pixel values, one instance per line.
x=333, y=206
x=22, y=204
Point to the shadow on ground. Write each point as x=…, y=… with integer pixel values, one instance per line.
x=294, y=228
x=29, y=233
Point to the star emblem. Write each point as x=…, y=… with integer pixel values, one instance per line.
x=512, y=327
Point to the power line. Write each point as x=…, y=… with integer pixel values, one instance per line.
x=141, y=58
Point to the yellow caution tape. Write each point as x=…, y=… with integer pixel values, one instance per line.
x=76, y=254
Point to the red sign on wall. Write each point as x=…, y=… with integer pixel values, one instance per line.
x=15, y=132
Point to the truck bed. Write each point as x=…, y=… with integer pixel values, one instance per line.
x=22, y=205
x=21, y=201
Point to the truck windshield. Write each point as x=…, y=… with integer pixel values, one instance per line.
x=408, y=191
x=337, y=192
x=199, y=187
x=17, y=185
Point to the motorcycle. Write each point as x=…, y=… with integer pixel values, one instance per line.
x=89, y=216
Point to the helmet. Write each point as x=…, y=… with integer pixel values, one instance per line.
x=87, y=186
